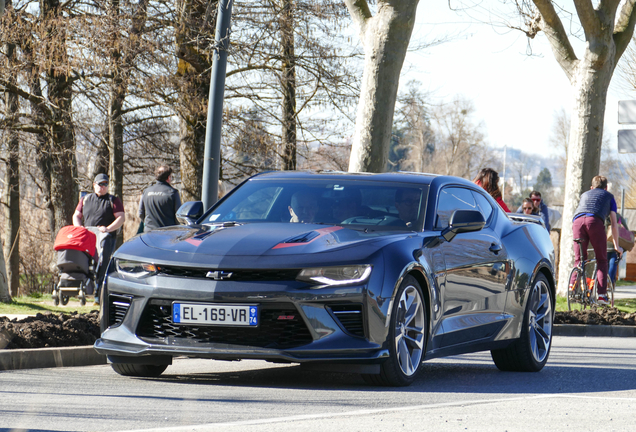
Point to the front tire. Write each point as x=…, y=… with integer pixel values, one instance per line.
x=530, y=352
x=407, y=337
x=138, y=370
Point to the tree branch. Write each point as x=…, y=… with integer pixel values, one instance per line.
x=624, y=28
x=588, y=17
x=37, y=100
x=557, y=36
x=360, y=13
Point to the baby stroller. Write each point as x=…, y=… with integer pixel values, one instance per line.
x=76, y=261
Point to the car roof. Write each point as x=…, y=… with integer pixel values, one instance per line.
x=401, y=177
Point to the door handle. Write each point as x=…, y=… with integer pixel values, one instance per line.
x=495, y=248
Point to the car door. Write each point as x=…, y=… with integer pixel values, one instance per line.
x=474, y=296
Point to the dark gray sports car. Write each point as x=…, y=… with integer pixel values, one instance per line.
x=366, y=273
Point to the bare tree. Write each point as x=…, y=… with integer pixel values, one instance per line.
x=413, y=139
x=385, y=37
x=460, y=146
x=560, y=137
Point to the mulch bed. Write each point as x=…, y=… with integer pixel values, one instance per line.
x=73, y=329
x=50, y=330
x=596, y=316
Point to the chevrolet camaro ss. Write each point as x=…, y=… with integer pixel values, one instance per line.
x=365, y=273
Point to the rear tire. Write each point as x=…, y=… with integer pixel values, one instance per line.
x=576, y=291
x=138, y=370
x=56, y=297
x=407, y=337
x=530, y=352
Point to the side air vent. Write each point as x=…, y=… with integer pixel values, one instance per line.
x=350, y=317
x=303, y=238
x=118, y=306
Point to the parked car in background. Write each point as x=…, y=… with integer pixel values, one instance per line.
x=366, y=273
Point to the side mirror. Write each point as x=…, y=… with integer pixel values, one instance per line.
x=189, y=212
x=463, y=221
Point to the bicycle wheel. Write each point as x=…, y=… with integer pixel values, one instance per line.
x=576, y=290
x=610, y=291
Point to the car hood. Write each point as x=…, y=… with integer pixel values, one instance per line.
x=262, y=239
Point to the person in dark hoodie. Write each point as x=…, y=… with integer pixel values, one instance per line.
x=159, y=204
x=589, y=226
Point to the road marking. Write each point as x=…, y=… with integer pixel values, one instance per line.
x=207, y=426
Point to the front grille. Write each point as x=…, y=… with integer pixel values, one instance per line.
x=237, y=275
x=118, y=306
x=272, y=332
x=350, y=316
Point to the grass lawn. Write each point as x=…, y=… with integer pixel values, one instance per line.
x=33, y=305
x=29, y=305
x=623, y=305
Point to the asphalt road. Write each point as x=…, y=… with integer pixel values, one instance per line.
x=588, y=384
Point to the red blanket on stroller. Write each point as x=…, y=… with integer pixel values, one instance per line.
x=76, y=238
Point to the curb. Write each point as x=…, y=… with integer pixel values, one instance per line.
x=35, y=358
x=593, y=330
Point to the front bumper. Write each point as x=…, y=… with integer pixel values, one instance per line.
x=339, y=324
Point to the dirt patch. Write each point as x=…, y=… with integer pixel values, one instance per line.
x=74, y=329
x=50, y=330
x=596, y=316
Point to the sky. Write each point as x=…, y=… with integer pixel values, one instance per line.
x=515, y=95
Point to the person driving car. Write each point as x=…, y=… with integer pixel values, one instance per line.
x=407, y=203
x=303, y=208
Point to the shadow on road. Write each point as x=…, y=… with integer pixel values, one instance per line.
x=473, y=373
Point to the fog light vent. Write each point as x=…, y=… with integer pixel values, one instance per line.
x=350, y=317
x=118, y=306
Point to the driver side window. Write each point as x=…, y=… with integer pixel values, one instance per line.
x=451, y=199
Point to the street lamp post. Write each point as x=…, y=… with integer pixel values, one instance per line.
x=212, y=153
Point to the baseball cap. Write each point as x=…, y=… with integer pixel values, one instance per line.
x=100, y=178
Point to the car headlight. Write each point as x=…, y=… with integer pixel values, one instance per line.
x=340, y=275
x=135, y=269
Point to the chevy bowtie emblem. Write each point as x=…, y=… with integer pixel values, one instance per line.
x=219, y=275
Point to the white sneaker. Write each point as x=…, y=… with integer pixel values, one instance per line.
x=602, y=299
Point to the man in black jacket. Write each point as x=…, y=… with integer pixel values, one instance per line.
x=160, y=201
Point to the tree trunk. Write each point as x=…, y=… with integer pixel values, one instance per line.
x=194, y=71
x=584, y=149
x=115, y=124
x=385, y=38
x=102, y=158
x=191, y=151
x=12, y=198
x=288, y=83
x=9, y=277
x=61, y=137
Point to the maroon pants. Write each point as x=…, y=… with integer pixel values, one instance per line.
x=591, y=229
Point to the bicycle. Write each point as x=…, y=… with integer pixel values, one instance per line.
x=582, y=292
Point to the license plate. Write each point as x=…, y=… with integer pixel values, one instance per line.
x=215, y=314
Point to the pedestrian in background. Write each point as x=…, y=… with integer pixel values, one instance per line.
x=527, y=207
x=159, y=203
x=611, y=251
x=589, y=225
x=488, y=179
x=106, y=212
x=540, y=208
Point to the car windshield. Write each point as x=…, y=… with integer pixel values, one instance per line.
x=363, y=204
